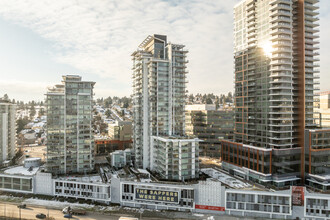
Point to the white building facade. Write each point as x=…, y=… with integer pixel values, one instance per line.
x=159, y=78
x=175, y=158
x=7, y=130
x=159, y=89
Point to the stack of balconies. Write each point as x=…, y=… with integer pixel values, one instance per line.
x=281, y=68
x=311, y=58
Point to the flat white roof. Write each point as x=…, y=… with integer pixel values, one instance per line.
x=86, y=179
x=22, y=171
x=32, y=159
x=226, y=179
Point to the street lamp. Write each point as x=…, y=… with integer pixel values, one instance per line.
x=19, y=208
x=141, y=211
x=4, y=209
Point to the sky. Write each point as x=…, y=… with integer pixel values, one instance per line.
x=42, y=40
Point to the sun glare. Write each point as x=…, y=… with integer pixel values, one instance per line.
x=268, y=48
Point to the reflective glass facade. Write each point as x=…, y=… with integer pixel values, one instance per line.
x=69, y=117
x=211, y=126
x=276, y=76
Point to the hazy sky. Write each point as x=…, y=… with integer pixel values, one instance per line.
x=41, y=40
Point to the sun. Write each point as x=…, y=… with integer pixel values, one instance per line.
x=267, y=48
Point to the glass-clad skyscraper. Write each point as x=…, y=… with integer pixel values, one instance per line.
x=70, y=145
x=276, y=75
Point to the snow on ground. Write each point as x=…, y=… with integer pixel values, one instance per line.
x=198, y=215
x=22, y=170
x=11, y=198
x=57, y=204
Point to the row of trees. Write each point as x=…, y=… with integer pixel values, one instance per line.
x=27, y=105
x=211, y=98
x=124, y=102
x=22, y=104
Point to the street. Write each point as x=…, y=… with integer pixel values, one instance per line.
x=11, y=211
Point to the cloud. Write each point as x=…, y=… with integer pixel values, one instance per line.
x=27, y=89
x=98, y=36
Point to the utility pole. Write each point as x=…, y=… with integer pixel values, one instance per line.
x=5, y=210
x=20, y=217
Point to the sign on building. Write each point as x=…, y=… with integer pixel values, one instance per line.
x=157, y=195
x=298, y=193
x=208, y=207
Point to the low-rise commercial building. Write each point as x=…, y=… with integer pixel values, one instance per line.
x=107, y=146
x=89, y=188
x=210, y=125
x=18, y=179
x=260, y=203
x=137, y=188
x=120, y=130
x=317, y=206
x=317, y=162
x=12, y=183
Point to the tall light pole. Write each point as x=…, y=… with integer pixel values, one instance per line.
x=20, y=217
x=5, y=210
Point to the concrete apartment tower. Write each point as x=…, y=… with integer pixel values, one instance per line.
x=7, y=130
x=276, y=75
x=159, y=89
x=70, y=142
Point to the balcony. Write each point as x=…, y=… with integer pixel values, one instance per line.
x=281, y=18
x=282, y=5
x=280, y=68
x=281, y=12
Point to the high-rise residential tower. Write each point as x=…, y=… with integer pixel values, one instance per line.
x=159, y=89
x=7, y=130
x=70, y=145
x=275, y=80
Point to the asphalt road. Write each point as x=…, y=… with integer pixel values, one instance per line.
x=11, y=210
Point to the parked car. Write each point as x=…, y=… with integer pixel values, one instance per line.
x=40, y=215
x=21, y=206
x=69, y=210
x=67, y=216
